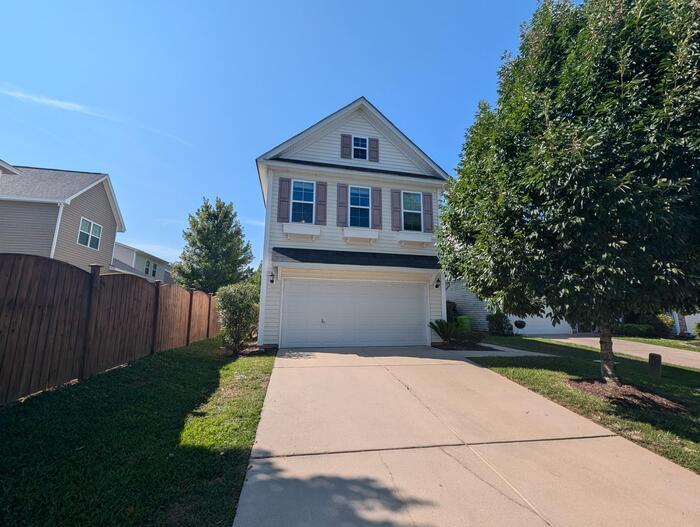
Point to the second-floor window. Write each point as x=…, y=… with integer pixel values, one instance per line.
x=303, y=201
x=155, y=267
x=359, y=147
x=89, y=234
x=412, y=211
x=359, y=207
x=147, y=270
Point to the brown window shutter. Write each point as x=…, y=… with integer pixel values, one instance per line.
x=376, y=208
x=285, y=188
x=373, y=154
x=345, y=146
x=342, y=217
x=321, y=193
x=427, y=212
x=395, y=210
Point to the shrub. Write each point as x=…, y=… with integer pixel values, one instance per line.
x=697, y=329
x=238, y=313
x=451, y=311
x=470, y=337
x=662, y=324
x=637, y=330
x=499, y=324
x=444, y=329
x=520, y=324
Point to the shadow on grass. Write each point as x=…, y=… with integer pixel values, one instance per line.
x=151, y=444
x=679, y=385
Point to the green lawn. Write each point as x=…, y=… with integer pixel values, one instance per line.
x=673, y=434
x=692, y=345
x=164, y=441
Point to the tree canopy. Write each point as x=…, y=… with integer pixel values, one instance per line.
x=216, y=253
x=579, y=190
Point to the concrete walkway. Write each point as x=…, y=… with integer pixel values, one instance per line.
x=422, y=437
x=689, y=359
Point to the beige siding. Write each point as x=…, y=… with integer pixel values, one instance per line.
x=93, y=205
x=468, y=304
x=26, y=227
x=273, y=300
x=326, y=149
x=331, y=237
x=140, y=266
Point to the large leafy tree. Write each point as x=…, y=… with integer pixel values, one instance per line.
x=579, y=191
x=216, y=253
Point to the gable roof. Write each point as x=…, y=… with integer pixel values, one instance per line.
x=431, y=170
x=137, y=250
x=51, y=185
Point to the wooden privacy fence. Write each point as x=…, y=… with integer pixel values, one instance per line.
x=59, y=323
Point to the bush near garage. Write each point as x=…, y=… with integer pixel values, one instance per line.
x=499, y=324
x=238, y=314
x=636, y=330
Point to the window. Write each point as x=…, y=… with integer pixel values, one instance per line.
x=412, y=211
x=155, y=266
x=147, y=271
x=303, y=201
x=90, y=234
x=359, y=207
x=359, y=147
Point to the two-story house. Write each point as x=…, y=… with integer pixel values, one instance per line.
x=128, y=259
x=349, y=254
x=64, y=214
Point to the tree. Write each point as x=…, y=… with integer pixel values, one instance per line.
x=216, y=253
x=579, y=190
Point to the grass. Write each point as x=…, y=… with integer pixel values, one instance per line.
x=163, y=441
x=692, y=345
x=672, y=434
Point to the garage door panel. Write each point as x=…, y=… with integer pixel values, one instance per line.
x=346, y=313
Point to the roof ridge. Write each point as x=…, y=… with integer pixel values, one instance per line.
x=63, y=170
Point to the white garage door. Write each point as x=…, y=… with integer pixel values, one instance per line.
x=318, y=313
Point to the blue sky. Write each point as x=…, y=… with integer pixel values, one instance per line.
x=175, y=100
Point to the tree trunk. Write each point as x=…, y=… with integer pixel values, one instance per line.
x=607, y=359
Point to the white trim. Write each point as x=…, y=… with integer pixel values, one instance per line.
x=368, y=207
x=292, y=201
x=366, y=148
x=111, y=197
x=265, y=269
x=426, y=301
x=135, y=250
x=90, y=235
x=420, y=201
x=30, y=200
x=9, y=168
x=58, y=226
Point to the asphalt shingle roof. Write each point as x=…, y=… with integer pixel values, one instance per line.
x=46, y=183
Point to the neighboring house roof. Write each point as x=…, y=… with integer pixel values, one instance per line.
x=149, y=255
x=50, y=185
x=294, y=255
x=118, y=264
x=432, y=169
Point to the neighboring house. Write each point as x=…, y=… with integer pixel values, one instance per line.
x=684, y=324
x=349, y=256
x=131, y=260
x=468, y=304
x=68, y=215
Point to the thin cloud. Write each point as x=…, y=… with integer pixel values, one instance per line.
x=81, y=108
x=253, y=221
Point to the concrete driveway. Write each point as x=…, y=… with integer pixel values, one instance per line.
x=687, y=358
x=422, y=437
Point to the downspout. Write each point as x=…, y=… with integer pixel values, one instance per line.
x=55, y=232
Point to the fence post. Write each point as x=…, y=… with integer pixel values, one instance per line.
x=209, y=316
x=92, y=303
x=156, y=308
x=189, y=318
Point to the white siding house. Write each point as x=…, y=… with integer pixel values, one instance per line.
x=349, y=255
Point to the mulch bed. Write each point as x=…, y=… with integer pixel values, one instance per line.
x=626, y=395
x=462, y=346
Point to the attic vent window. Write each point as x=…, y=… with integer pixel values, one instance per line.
x=359, y=147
